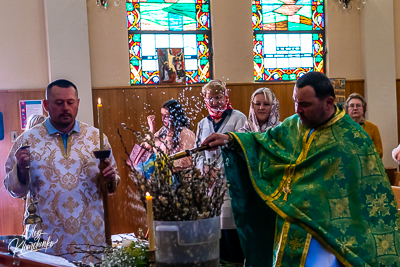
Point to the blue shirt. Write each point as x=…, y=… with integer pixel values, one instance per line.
x=312, y=130
x=64, y=136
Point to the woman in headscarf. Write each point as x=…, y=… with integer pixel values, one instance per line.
x=222, y=118
x=264, y=111
x=175, y=135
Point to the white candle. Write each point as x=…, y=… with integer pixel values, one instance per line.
x=149, y=202
x=100, y=116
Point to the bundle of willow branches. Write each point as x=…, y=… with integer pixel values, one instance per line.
x=184, y=195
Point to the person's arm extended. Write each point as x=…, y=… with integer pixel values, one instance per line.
x=216, y=140
x=187, y=141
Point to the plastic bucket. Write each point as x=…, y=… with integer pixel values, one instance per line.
x=188, y=243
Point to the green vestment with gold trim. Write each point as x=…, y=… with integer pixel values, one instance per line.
x=288, y=185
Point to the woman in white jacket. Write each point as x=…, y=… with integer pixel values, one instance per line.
x=222, y=118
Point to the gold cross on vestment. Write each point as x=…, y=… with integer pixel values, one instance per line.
x=287, y=190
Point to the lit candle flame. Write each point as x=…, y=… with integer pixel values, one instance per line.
x=147, y=194
x=99, y=101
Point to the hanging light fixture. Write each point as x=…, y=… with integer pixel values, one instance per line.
x=104, y=3
x=347, y=4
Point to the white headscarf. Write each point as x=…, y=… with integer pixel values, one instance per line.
x=251, y=124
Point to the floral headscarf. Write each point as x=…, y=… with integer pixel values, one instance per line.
x=251, y=125
x=216, y=114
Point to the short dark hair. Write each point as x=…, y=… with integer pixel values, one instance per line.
x=321, y=84
x=60, y=83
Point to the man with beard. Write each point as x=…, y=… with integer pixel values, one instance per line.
x=312, y=191
x=53, y=163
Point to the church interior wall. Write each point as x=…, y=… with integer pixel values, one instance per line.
x=343, y=35
x=23, y=48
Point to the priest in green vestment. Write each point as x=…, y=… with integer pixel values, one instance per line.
x=315, y=178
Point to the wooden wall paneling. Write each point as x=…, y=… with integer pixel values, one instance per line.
x=285, y=97
x=239, y=96
x=354, y=86
x=121, y=206
x=193, y=102
x=11, y=209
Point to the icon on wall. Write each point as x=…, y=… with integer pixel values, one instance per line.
x=171, y=65
x=339, y=85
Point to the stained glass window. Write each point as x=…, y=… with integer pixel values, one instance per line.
x=169, y=41
x=289, y=37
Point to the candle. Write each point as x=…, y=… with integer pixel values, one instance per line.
x=149, y=202
x=100, y=116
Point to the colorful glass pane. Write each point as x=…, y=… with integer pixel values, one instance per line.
x=133, y=16
x=203, y=57
x=258, y=57
x=158, y=16
x=151, y=53
x=192, y=76
x=203, y=16
x=290, y=53
x=151, y=77
x=318, y=16
x=135, y=58
x=282, y=50
x=257, y=17
x=318, y=52
x=289, y=74
x=277, y=15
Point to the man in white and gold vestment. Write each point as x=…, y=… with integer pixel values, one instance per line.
x=64, y=174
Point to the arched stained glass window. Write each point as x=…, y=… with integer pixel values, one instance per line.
x=288, y=38
x=169, y=41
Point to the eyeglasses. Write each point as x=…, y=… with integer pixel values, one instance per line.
x=218, y=98
x=355, y=106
